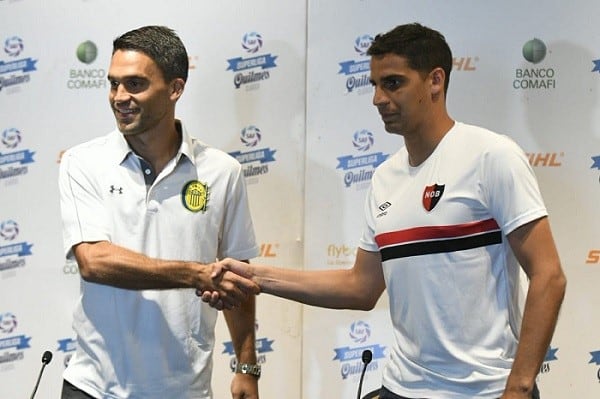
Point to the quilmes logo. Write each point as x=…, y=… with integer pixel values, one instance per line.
x=12, y=254
x=87, y=77
x=16, y=71
x=357, y=71
x=13, y=346
x=13, y=162
x=250, y=71
x=256, y=161
x=534, y=51
x=360, y=168
x=550, y=357
x=263, y=346
x=350, y=356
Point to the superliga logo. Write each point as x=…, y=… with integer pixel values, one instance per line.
x=357, y=71
x=350, y=357
x=534, y=51
x=250, y=71
x=15, y=72
x=359, y=169
x=13, y=163
x=255, y=162
x=12, y=254
x=87, y=78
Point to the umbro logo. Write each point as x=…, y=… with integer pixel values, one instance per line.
x=383, y=208
x=118, y=190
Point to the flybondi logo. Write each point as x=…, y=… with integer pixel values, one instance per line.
x=534, y=51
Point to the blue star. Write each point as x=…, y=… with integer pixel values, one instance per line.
x=595, y=357
x=551, y=355
x=596, y=66
x=596, y=164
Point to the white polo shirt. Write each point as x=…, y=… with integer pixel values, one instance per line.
x=150, y=343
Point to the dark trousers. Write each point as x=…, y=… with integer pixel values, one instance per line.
x=70, y=391
x=385, y=394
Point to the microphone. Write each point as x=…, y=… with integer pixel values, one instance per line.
x=46, y=358
x=367, y=356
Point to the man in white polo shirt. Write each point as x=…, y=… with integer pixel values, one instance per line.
x=147, y=210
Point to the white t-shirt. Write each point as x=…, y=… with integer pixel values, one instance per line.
x=455, y=288
x=150, y=343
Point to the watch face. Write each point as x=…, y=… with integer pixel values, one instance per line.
x=245, y=368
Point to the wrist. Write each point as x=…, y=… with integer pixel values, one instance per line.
x=248, y=368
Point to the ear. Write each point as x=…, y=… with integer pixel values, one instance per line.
x=177, y=86
x=438, y=79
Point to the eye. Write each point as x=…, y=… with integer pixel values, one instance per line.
x=392, y=83
x=113, y=84
x=135, y=85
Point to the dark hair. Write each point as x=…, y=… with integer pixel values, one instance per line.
x=162, y=45
x=424, y=48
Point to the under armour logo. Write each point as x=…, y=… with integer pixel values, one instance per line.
x=114, y=189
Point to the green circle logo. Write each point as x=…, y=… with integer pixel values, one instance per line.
x=534, y=51
x=87, y=52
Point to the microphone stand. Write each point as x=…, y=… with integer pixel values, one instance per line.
x=367, y=356
x=46, y=358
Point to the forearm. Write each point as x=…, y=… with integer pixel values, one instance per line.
x=540, y=316
x=241, y=325
x=109, y=264
x=335, y=289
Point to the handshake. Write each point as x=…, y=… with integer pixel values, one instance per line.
x=232, y=282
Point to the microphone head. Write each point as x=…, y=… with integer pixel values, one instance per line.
x=367, y=356
x=47, y=357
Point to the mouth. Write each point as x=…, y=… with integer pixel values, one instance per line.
x=387, y=117
x=125, y=113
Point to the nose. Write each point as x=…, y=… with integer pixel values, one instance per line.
x=379, y=96
x=120, y=93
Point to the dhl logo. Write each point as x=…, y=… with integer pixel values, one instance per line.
x=545, y=159
x=465, y=64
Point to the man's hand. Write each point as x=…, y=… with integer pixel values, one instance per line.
x=231, y=284
x=227, y=289
x=244, y=386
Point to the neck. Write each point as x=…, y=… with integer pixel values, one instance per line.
x=157, y=146
x=421, y=145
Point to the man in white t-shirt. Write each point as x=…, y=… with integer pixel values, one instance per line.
x=454, y=224
x=147, y=210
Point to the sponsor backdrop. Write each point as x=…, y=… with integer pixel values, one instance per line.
x=284, y=87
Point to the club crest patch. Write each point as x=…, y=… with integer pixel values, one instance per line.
x=432, y=195
x=195, y=196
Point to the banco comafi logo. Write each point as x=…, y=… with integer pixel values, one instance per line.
x=87, y=52
x=535, y=78
x=534, y=51
x=87, y=77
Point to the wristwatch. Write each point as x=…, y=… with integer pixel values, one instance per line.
x=247, y=368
